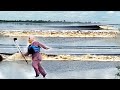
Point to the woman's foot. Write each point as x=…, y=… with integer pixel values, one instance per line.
x=44, y=75
x=36, y=75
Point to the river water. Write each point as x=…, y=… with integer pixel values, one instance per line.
x=27, y=26
x=58, y=45
x=61, y=70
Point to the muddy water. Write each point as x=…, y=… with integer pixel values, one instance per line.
x=74, y=46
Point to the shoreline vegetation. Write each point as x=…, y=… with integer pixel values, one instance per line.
x=45, y=21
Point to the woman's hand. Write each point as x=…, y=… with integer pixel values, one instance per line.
x=47, y=48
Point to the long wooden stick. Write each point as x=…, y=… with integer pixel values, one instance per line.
x=21, y=52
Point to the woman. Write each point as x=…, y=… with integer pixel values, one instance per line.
x=36, y=56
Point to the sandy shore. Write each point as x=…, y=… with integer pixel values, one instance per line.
x=18, y=56
x=83, y=33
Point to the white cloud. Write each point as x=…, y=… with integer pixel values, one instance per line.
x=62, y=15
x=110, y=12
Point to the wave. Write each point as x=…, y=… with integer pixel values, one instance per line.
x=87, y=47
x=18, y=56
x=11, y=45
x=49, y=27
x=88, y=27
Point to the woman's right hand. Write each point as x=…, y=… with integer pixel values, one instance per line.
x=47, y=48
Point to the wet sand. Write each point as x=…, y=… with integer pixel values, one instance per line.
x=61, y=70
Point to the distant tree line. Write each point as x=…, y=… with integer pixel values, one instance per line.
x=43, y=21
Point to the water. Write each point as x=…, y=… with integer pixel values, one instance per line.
x=61, y=70
x=19, y=26
x=58, y=45
x=116, y=26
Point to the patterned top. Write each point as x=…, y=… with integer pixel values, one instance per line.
x=37, y=55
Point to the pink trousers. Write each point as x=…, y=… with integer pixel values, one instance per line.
x=38, y=68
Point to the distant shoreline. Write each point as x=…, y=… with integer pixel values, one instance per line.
x=46, y=21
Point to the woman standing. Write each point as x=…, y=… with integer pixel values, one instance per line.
x=36, y=56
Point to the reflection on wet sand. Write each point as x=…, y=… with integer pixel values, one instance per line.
x=59, y=70
x=117, y=75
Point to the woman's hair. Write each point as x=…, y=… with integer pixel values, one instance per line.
x=32, y=37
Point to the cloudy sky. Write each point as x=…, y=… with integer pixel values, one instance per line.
x=93, y=16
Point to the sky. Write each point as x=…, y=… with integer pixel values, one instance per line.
x=82, y=16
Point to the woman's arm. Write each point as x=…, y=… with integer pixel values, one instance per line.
x=26, y=54
x=43, y=46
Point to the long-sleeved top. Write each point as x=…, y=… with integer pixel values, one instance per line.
x=37, y=55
